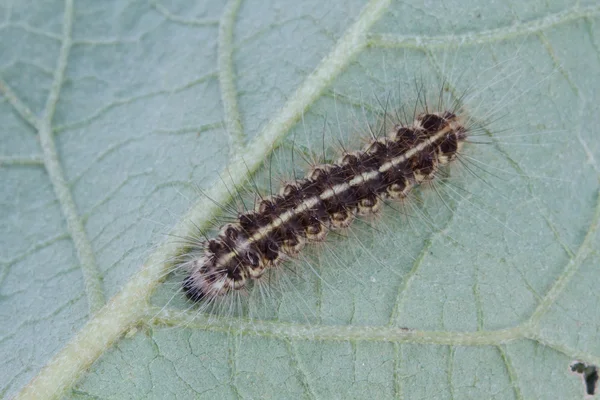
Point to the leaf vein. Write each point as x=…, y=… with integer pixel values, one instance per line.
x=85, y=253
x=237, y=137
x=482, y=37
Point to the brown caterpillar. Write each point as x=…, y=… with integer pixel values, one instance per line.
x=329, y=197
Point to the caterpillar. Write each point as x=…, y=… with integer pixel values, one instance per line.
x=328, y=198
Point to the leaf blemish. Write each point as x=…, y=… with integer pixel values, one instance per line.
x=589, y=374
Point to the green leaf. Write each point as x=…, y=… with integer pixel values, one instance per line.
x=114, y=113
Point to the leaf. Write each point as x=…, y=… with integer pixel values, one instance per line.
x=112, y=113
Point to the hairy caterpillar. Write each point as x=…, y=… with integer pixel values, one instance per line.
x=329, y=197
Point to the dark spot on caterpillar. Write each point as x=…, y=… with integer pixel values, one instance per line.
x=214, y=246
x=431, y=123
x=192, y=290
x=406, y=134
x=231, y=233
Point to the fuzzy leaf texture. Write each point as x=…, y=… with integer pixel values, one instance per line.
x=113, y=114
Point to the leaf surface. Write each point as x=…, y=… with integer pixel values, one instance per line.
x=114, y=113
